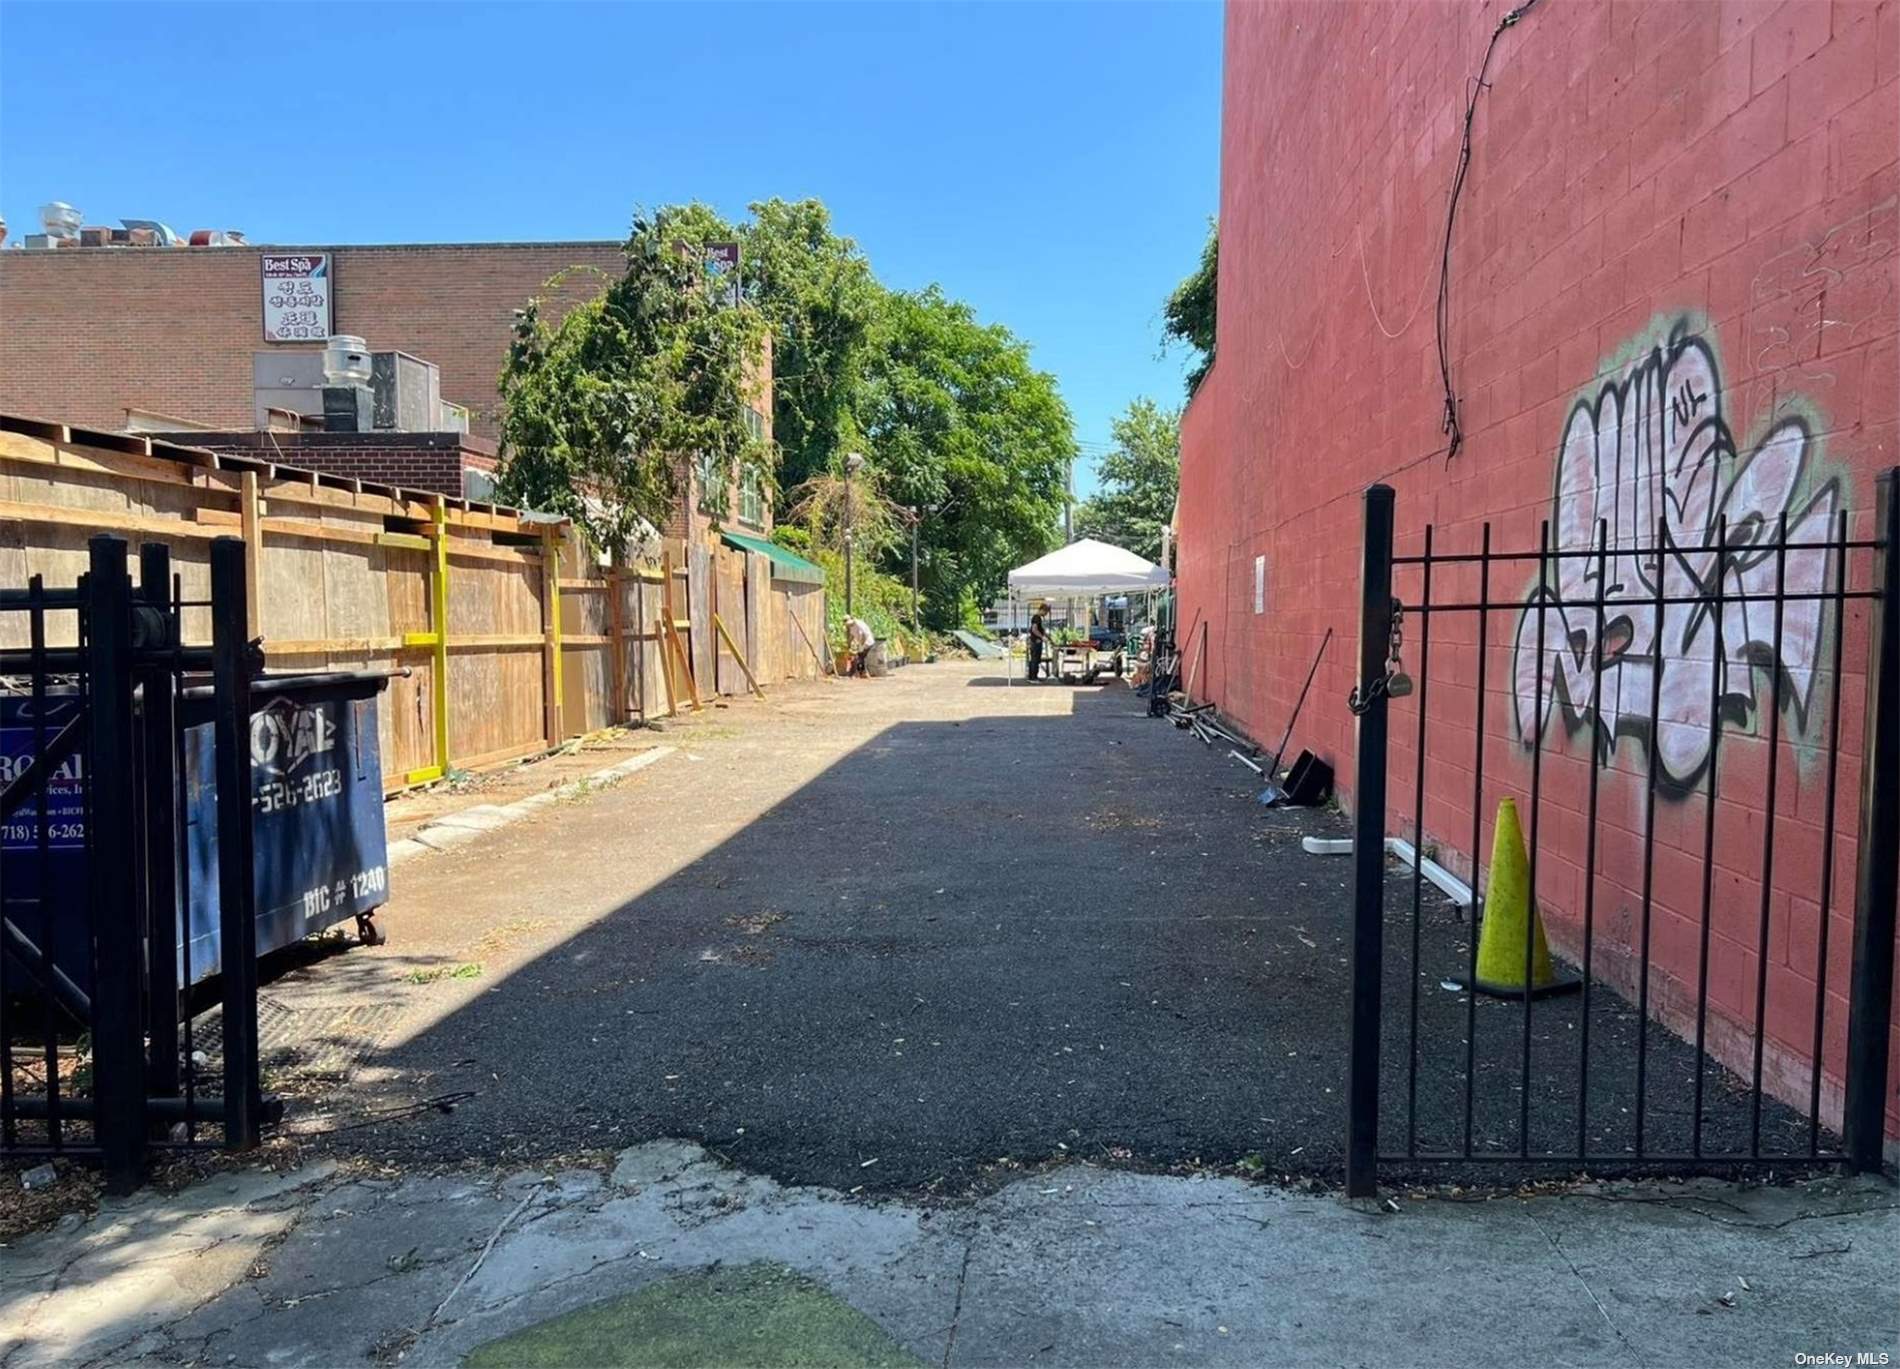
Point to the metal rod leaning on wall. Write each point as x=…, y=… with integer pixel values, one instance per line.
x=1368, y=859
x=1877, y=879
x=1187, y=689
x=237, y=893
x=117, y=1030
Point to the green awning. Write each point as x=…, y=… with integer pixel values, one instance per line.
x=786, y=565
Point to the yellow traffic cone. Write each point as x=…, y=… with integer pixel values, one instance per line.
x=1509, y=918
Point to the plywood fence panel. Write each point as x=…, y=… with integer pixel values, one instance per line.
x=808, y=606
x=649, y=658
x=111, y=485
x=729, y=581
x=758, y=591
x=495, y=687
x=587, y=689
x=406, y=725
x=699, y=646
x=333, y=593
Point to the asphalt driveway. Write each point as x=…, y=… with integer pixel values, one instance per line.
x=911, y=935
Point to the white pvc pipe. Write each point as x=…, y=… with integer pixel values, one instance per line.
x=1453, y=888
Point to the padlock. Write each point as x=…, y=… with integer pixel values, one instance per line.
x=1397, y=685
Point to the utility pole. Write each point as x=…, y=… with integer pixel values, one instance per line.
x=1068, y=504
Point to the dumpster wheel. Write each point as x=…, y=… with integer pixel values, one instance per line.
x=367, y=932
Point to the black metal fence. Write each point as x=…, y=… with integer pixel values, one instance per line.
x=1628, y=1070
x=98, y=1054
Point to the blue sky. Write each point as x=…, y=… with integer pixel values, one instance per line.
x=1055, y=165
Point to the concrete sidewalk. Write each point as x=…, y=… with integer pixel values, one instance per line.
x=665, y=1255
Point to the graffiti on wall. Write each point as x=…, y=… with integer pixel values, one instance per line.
x=1651, y=449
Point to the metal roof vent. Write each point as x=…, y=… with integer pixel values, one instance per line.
x=346, y=360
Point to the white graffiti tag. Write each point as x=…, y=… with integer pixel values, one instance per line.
x=1651, y=455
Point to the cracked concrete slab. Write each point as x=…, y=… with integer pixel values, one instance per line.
x=1078, y=1265
x=466, y=825
x=78, y=1296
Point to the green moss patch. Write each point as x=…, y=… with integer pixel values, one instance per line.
x=759, y=1314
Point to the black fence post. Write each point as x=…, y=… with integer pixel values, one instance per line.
x=154, y=633
x=1870, y=1001
x=118, y=1048
x=1368, y=849
x=237, y=917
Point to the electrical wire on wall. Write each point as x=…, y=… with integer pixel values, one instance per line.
x=1451, y=426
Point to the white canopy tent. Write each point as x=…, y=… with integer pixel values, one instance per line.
x=1084, y=569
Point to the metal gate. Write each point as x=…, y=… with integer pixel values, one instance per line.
x=1656, y=686
x=98, y=1054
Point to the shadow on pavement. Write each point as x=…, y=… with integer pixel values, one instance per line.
x=970, y=945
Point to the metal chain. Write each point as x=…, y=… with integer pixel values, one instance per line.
x=1363, y=696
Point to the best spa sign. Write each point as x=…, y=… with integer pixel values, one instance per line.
x=297, y=297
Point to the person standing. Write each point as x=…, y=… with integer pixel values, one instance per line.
x=1038, y=642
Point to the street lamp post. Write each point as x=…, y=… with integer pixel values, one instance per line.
x=915, y=519
x=852, y=464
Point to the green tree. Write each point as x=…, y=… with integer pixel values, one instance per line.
x=962, y=427
x=821, y=301
x=949, y=412
x=601, y=410
x=1188, y=315
x=1138, y=481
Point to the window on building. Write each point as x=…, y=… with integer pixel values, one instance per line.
x=752, y=499
x=712, y=485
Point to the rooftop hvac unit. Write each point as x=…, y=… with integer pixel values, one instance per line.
x=60, y=220
x=346, y=360
x=407, y=392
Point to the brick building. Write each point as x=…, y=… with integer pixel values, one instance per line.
x=443, y=462
x=99, y=336
x=87, y=334
x=1679, y=226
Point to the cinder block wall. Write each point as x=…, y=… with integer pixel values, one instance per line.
x=1684, y=204
x=86, y=333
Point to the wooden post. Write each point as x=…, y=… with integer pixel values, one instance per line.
x=666, y=663
x=551, y=633
x=250, y=520
x=686, y=663
x=667, y=615
x=439, y=622
x=824, y=666
x=737, y=655
x=617, y=647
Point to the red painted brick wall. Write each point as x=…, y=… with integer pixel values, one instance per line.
x=86, y=333
x=1690, y=202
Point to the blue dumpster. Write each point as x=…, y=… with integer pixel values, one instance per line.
x=317, y=822
x=22, y=877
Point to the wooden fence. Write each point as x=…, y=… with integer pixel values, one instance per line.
x=513, y=636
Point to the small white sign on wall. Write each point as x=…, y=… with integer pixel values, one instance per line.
x=297, y=297
x=1260, y=584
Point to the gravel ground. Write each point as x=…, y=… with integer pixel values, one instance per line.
x=908, y=935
